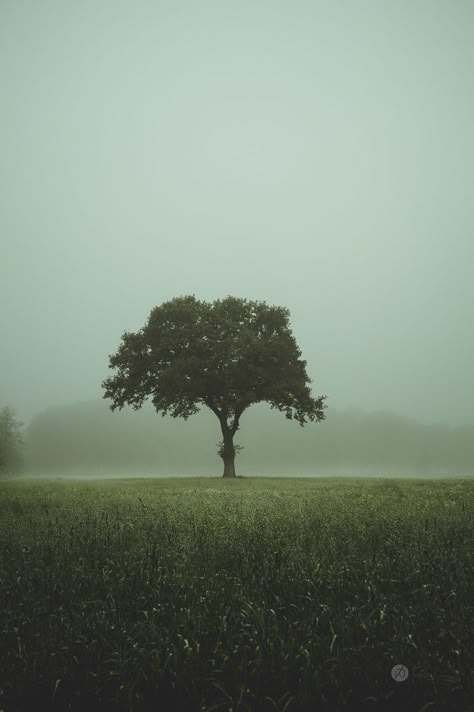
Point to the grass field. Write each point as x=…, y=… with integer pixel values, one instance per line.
x=209, y=594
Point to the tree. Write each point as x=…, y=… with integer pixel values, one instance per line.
x=226, y=355
x=11, y=440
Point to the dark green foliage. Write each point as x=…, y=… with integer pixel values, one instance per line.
x=226, y=355
x=236, y=595
x=11, y=441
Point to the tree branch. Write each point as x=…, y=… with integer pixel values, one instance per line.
x=212, y=407
x=237, y=414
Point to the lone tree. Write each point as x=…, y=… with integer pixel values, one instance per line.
x=226, y=355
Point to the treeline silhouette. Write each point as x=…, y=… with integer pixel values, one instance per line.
x=87, y=437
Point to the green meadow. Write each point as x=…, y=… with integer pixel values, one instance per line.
x=273, y=595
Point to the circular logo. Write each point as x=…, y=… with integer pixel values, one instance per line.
x=399, y=673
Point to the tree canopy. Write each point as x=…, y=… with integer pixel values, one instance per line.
x=226, y=355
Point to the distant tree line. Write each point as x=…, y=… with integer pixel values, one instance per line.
x=88, y=437
x=11, y=441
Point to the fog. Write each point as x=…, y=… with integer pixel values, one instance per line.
x=318, y=156
x=87, y=439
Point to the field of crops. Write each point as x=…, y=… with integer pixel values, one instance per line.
x=210, y=594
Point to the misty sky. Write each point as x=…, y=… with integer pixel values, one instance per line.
x=314, y=155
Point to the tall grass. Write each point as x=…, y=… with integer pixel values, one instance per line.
x=247, y=595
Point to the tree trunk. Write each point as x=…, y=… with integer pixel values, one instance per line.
x=228, y=453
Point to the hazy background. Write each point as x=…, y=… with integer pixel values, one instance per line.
x=315, y=155
x=87, y=439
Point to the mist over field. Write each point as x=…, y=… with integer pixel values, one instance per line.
x=86, y=438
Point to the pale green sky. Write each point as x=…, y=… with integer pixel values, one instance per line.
x=316, y=155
